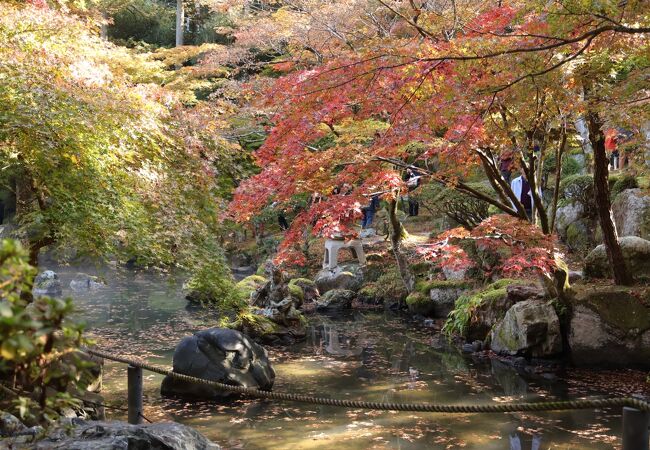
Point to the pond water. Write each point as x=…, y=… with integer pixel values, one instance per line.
x=366, y=355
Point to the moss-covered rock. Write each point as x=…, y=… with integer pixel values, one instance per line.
x=610, y=325
x=336, y=300
x=623, y=183
x=348, y=276
x=250, y=284
x=425, y=286
x=475, y=314
x=296, y=291
x=419, y=303
x=264, y=330
x=529, y=328
x=422, y=268
x=442, y=295
x=374, y=257
x=580, y=236
x=308, y=288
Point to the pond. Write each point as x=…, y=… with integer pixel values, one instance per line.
x=366, y=356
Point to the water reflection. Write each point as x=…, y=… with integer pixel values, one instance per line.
x=369, y=356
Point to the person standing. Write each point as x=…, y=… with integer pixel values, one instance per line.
x=369, y=212
x=412, y=182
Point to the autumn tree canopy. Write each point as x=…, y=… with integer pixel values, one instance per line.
x=451, y=87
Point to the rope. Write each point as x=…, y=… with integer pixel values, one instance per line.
x=383, y=406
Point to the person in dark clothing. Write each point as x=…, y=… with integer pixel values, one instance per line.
x=526, y=197
x=505, y=166
x=282, y=220
x=2, y=211
x=414, y=206
x=412, y=182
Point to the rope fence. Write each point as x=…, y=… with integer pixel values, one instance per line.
x=636, y=412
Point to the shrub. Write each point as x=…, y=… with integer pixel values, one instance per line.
x=389, y=287
x=623, y=183
x=38, y=344
x=569, y=166
x=213, y=283
x=578, y=188
x=465, y=210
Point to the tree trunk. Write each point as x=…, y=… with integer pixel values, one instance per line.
x=603, y=203
x=180, y=22
x=103, y=31
x=396, y=235
x=559, y=154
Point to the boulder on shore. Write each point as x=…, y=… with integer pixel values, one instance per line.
x=636, y=252
x=347, y=276
x=529, y=328
x=77, y=434
x=218, y=354
x=436, y=298
x=610, y=325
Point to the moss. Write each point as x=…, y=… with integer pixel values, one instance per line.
x=302, y=282
x=426, y=286
x=623, y=307
x=374, y=257
x=503, y=282
x=459, y=318
x=372, y=272
x=493, y=295
x=622, y=183
x=577, y=238
x=390, y=286
x=255, y=324
x=422, y=268
x=296, y=291
x=420, y=303
x=250, y=284
x=417, y=298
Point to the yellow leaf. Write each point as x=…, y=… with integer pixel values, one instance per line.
x=7, y=352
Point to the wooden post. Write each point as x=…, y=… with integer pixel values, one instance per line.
x=134, y=375
x=635, y=429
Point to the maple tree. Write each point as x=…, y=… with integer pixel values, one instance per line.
x=100, y=158
x=468, y=83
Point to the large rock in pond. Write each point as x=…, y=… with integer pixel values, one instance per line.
x=347, y=276
x=336, y=300
x=494, y=303
x=222, y=355
x=85, y=282
x=530, y=328
x=636, y=252
x=78, y=434
x=610, y=326
x=47, y=284
x=631, y=209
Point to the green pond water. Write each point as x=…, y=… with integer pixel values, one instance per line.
x=367, y=356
